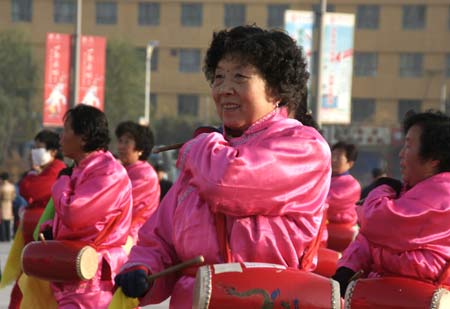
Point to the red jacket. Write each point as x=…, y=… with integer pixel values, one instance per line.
x=36, y=189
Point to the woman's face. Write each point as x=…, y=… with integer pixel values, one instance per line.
x=127, y=149
x=71, y=144
x=415, y=169
x=240, y=94
x=339, y=162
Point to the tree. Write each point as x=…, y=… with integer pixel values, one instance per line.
x=125, y=77
x=17, y=87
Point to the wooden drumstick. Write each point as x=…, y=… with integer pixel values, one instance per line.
x=41, y=237
x=168, y=147
x=195, y=261
x=357, y=275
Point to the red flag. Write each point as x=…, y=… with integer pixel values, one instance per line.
x=57, y=72
x=92, y=71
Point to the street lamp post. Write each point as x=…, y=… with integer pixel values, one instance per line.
x=148, y=67
x=77, y=51
x=319, y=75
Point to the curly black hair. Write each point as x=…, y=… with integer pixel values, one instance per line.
x=91, y=124
x=142, y=135
x=49, y=138
x=274, y=53
x=434, y=138
x=351, y=153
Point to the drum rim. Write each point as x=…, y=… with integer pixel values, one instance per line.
x=203, y=279
x=78, y=263
x=349, y=294
x=335, y=294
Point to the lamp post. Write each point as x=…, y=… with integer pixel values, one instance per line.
x=77, y=51
x=319, y=75
x=148, y=67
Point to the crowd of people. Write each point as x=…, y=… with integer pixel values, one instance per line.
x=264, y=187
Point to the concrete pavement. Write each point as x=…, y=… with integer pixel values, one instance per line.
x=6, y=292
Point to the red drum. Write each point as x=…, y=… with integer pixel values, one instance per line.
x=55, y=260
x=395, y=292
x=260, y=285
x=327, y=262
x=340, y=236
x=30, y=219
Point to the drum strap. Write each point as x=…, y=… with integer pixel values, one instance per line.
x=311, y=251
x=222, y=236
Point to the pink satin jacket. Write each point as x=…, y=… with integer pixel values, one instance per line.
x=146, y=191
x=271, y=183
x=345, y=191
x=408, y=236
x=95, y=200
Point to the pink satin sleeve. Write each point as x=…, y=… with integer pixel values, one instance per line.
x=146, y=191
x=357, y=256
x=344, y=193
x=270, y=176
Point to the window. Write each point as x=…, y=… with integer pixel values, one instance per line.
x=447, y=67
x=106, y=13
x=148, y=14
x=414, y=16
x=188, y=104
x=363, y=109
x=368, y=16
x=65, y=11
x=365, y=64
x=234, y=15
x=189, y=60
x=153, y=103
x=330, y=8
x=411, y=64
x=191, y=14
x=275, y=15
x=406, y=105
x=21, y=10
x=142, y=54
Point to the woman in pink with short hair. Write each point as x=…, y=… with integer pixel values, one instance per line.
x=254, y=193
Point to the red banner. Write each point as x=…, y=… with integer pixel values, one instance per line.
x=57, y=73
x=92, y=71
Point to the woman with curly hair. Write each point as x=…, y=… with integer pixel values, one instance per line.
x=93, y=205
x=135, y=143
x=254, y=192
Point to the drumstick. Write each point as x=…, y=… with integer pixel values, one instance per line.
x=195, y=261
x=357, y=275
x=41, y=237
x=168, y=147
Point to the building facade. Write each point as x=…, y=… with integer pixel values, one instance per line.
x=402, y=47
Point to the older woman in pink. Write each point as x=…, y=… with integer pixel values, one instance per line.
x=405, y=232
x=92, y=205
x=135, y=143
x=255, y=193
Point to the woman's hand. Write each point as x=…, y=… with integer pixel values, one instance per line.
x=134, y=281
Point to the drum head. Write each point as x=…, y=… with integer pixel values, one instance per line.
x=87, y=263
x=440, y=299
x=203, y=288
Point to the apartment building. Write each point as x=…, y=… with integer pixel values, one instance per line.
x=401, y=60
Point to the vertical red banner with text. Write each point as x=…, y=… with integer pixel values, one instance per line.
x=92, y=71
x=57, y=78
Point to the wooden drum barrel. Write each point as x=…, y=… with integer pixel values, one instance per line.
x=59, y=260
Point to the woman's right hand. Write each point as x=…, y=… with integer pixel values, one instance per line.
x=134, y=281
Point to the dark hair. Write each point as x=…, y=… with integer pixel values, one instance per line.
x=142, y=135
x=51, y=141
x=274, y=53
x=377, y=172
x=4, y=176
x=91, y=124
x=435, y=136
x=351, y=153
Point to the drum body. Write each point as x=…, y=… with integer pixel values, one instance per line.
x=340, y=236
x=395, y=292
x=59, y=260
x=260, y=285
x=327, y=262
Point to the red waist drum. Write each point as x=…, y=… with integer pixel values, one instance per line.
x=340, y=236
x=260, y=285
x=60, y=260
x=327, y=262
x=395, y=292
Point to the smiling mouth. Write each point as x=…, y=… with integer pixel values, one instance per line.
x=230, y=107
